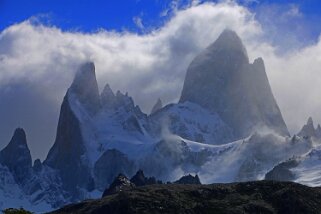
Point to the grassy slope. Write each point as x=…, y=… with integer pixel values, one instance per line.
x=248, y=197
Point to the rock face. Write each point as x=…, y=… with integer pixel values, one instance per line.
x=222, y=80
x=188, y=179
x=85, y=87
x=109, y=165
x=308, y=130
x=16, y=156
x=318, y=131
x=108, y=98
x=37, y=166
x=121, y=183
x=68, y=154
x=282, y=171
x=158, y=105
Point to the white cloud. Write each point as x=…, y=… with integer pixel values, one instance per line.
x=37, y=64
x=294, y=11
x=138, y=22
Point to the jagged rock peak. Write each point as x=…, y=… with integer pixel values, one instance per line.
x=221, y=80
x=108, y=97
x=85, y=86
x=37, y=165
x=69, y=149
x=85, y=76
x=107, y=91
x=123, y=100
x=310, y=122
x=17, y=143
x=19, y=138
x=308, y=129
x=158, y=105
x=188, y=179
x=120, y=183
x=139, y=179
x=229, y=42
x=16, y=156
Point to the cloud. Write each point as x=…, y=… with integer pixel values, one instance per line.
x=37, y=64
x=138, y=22
x=249, y=2
x=291, y=29
x=294, y=11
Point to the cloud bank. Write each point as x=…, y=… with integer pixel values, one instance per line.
x=37, y=65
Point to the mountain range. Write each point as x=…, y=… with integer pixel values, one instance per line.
x=226, y=127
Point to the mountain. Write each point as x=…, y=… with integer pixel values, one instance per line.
x=308, y=130
x=302, y=168
x=221, y=80
x=139, y=179
x=16, y=156
x=188, y=179
x=68, y=154
x=226, y=127
x=121, y=183
x=24, y=185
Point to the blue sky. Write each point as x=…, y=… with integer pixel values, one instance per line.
x=91, y=15
x=85, y=15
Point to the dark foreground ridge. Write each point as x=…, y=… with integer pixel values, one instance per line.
x=248, y=197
